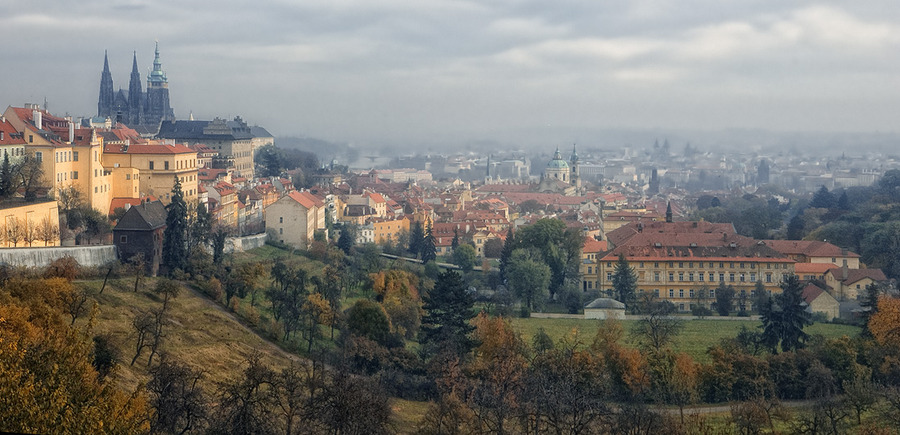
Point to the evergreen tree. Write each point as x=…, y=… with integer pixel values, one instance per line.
x=270, y=161
x=201, y=230
x=724, y=299
x=6, y=178
x=784, y=316
x=448, y=309
x=843, y=202
x=346, y=240
x=869, y=305
x=455, y=242
x=174, y=247
x=429, y=251
x=822, y=199
x=795, y=227
x=416, y=236
x=624, y=282
x=508, y=246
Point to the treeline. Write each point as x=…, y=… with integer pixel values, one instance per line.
x=865, y=220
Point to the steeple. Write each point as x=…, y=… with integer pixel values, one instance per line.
x=135, y=95
x=157, y=75
x=107, y=94
x=574, y=157
x=669, y=212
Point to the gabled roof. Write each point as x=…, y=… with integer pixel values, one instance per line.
x=150, y=215
x=855, y=275
x=817, y=268
x=10, y=135
x=305, y=199
x=810, y=248
x=121, y=202
x=592, y=245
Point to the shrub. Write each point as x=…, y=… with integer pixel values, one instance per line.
x=65, y=267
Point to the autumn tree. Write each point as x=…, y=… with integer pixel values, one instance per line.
x=315, y=311
x=499, y=372
x=47, y=232
x=885, y=323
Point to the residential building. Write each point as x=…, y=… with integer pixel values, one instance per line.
x=140, y=232
x=295, y=218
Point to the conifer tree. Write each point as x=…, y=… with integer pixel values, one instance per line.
x=6, y=178
x=345, y=241
x=416, y=236
x=174, y=247
x=784, y=316
x=624, y=282
x=429, y=251
x=508, y=246
x=455, y=242
x=448, y=309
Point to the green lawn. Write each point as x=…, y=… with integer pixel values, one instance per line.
x=696, y=337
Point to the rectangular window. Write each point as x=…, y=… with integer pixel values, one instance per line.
x=656, y=276
x=680, y=293
x=722, y=277
x=590, y=269
x=151, y=165
x=671, y=276
x=671, y=293
x=691, y=264
x=681, y=276
x=691, y=277
x=642, y=264
x=74, y=156
x=701, y=275
x=609, y=276
x=127, y=176
x=166, y=165
x=681, y=264
x=768, y=277
x=691, y=293
x=731, y=277
x=74, y=175
x=742, y=265
x=712, y=277
x=656, y=292
x=281, y=219
x=123, y=239
x=281, y=231
x=712, y=293
x=752, y=277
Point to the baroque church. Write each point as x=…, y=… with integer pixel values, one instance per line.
x=560, y=176
x=136, y=107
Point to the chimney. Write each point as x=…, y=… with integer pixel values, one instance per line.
x=71, y=132
x=37, y=117
x=844, y=272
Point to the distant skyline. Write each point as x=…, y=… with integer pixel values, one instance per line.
x=448, y=71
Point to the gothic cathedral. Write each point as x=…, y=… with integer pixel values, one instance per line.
x=136, y=107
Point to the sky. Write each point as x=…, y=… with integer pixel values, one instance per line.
x=447, y=71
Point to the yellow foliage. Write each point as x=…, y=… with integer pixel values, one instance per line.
x=885, y=324
x=47, y=382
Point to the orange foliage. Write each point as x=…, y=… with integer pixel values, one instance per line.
x=885, y=324
x=47, y=381
x=400, y=298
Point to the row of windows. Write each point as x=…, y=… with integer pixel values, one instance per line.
x=701, y=277
x=180, y=164
x=711, y=265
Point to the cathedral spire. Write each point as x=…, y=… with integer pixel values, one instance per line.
x=107, y=94
x=135, y=95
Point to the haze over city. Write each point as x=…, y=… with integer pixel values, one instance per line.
x=450, y=72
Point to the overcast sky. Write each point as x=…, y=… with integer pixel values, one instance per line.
x=414, y=70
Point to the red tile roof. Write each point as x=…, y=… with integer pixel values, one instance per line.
x=306, y=199
x=592, y=245
x=816, y=268
x=10, y=136
x=149, y=149
x=810, y=248
x=855, y=275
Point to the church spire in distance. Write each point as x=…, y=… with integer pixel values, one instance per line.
x=107, y=94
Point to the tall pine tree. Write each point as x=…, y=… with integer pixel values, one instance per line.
x=429, y=251
x=509, y=245
x=174, y=245
x=448, y=309
x=416, y=236
x=6, y=178
x=624, y=282
x=784, y=316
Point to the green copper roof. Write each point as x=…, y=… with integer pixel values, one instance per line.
x=557, y=161
x=157, y=75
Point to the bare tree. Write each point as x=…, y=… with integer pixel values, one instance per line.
x=658, y=327
x=75, y=303
x=29, y=173
x=138, y=265
x=47, y=231
x=144, y=325
x=159, y=317
x=176, y=396
x=14, y=231
x=29, y=233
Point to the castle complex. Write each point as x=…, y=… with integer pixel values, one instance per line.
x=136, y=107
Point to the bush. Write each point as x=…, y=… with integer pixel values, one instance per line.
x=65, y=267
x=819, y=317
x=701, y=311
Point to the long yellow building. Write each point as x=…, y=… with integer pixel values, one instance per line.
x=673, y=261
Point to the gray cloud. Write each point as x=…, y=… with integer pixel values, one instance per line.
x=443, y=70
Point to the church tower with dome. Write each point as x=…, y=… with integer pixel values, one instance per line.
x=559, y=176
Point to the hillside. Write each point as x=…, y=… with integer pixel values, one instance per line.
x=200, y=333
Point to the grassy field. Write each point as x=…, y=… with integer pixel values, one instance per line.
x=696, y=337
x=199, y=333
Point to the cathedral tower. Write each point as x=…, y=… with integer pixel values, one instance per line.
x=135, y=96
x=158, y=108
x=107, y=94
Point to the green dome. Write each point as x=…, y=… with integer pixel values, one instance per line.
x=557, y=164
